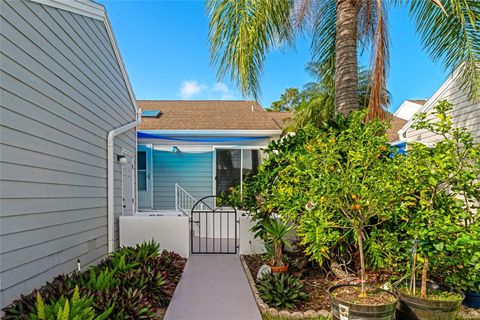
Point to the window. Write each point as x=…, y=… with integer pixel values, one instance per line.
x=233, y=166
x=142, y=170
x=151, y=113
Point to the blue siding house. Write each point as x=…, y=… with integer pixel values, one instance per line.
x=199, y=148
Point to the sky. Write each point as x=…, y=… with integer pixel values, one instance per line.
x=164, y=45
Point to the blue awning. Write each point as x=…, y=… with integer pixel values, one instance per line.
x=144, y=135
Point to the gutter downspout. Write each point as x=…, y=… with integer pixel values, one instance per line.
x=110, y=177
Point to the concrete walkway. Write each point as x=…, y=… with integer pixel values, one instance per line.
x=213, y=287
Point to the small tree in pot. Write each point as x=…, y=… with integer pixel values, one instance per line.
x=276, y=236
x=441, y=184
x=352, y=190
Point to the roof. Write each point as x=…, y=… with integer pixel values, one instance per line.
x=396, y=124
x=211, y=115
x=421, y=101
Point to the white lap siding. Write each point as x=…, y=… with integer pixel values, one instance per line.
x=466, y=113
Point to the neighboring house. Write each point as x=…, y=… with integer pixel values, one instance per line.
x=408, y=108
x=68, y=118
x=465, y=113
x=396, y=124
x=205, y=147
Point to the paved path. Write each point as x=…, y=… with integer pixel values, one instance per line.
x=213, y=287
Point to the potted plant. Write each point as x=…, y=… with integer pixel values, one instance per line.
x=441, y=186
x=351, y=182
x=276, y=236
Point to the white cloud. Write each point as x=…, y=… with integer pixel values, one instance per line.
x=188, y=89
x=192, y=88
x=223, y=90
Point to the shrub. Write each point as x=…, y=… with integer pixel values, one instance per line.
x=126, y=303
x=75, y=308
x=171, y=263
x=51, y=291
x=133, y=282
x=281, y=290
x=441, y=186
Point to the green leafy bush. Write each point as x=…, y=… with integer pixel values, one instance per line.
x=133, y=282
x=52, y=291
x=171, y=263
x=75, y=308
x=127, y=303
x=281, y=290
x=441, y=191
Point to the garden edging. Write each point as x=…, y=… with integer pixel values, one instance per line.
x=265, y=309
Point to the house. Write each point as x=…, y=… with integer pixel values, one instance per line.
x=466, y=113
x=204, y=147
x=67, y=139
x=188, y=150
x=396, y=124
x=408, y=108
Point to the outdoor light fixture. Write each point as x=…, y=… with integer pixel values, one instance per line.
x=175, y=149
x=121, y=159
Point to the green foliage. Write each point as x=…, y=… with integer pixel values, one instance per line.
x=441, y=191
x=462, y=261
x=105, y=280
x=290, y=99
x=281, y=290
x=269, y=316
x=127, y=303
x=75, y=308
x=132, y=283
x=276, y=236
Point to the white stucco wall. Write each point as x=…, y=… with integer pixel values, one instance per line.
x=173, y=233
x=249, y=244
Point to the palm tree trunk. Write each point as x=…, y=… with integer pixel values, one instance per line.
x=346, y=71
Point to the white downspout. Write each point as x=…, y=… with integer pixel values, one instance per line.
x=110, y=177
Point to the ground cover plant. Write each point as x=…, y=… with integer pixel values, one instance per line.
x=132, y=283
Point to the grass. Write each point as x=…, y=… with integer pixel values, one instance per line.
x=268, y=316
x=436, y=295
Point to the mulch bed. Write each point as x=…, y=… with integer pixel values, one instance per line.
x=314, y=282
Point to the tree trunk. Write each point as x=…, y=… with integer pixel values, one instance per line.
x=424, y=278
x=362, y=262
x=346, y=64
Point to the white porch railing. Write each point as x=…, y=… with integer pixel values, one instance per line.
x=184, y=201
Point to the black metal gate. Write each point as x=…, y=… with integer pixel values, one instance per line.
x=214, y=226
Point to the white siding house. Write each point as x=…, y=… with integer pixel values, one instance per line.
x=466, y=113
x=408, y=108
x=63, y=91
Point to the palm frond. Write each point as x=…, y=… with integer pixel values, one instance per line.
x=303, y=13
x=452, y=39
x=315, y=112
x=378, y=95
x=241, y=32
x=323, y=40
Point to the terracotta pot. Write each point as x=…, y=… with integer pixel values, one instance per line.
x=282, y=269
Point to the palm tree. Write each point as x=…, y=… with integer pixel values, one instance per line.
x=243, y=31
x=317, y=106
